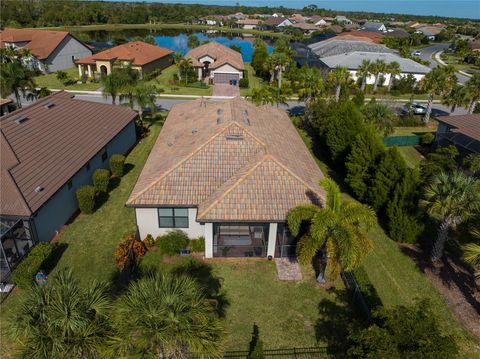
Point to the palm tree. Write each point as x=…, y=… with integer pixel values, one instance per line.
x=379, y=67
x=364, y=71
x=260, y=96
x=337, y=231
x=166, y=316
x=339, y=77
x=393, y=68
x=62, y=319
x=185, y=66
x=15, y=79
x=310, y=84
x=451, y=198
x=472, y=162
x=437, y=82
x=473, y=91
x=279, y=62
x=36, y=94
x=144, y=95
x=472, y=254
x=177, y=59
x=456, y=97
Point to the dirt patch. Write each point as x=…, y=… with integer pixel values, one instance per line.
x=454, y=280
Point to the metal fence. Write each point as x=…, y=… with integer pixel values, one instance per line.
x=358, y=298
x=411, y=140
x=290, y=353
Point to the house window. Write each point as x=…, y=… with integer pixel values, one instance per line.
x=104, y=154
x=69, y=184
x=173, y=217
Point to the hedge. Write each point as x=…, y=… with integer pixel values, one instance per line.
x=86, y=199
x=100, y=178
x=24, y=275
x=173, y=242
x=197, y=244
x=117, y=163
x=244, y=83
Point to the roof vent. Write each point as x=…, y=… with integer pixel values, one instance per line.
x=21, y=119
x=194, y=130
x=219, y=111
x=234, y=137
x=39, y=189
x=170, y=144
x=49, y=105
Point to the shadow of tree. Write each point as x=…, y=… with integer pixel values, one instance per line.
x=51, y=262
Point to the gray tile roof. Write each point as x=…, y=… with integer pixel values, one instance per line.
x=337, y=47
x=353, y=60
x=372, y=26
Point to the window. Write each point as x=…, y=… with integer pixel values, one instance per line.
x=173, y=217
x=104, y=154
x=69, y=184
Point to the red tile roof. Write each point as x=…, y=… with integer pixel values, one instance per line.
x=140, y=53
x=41, y=42
x=57, y=136
x=220, y=53
x=369, y=36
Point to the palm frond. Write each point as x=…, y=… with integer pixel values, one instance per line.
x=334, y=195
x=298, y=215
x=356, y=213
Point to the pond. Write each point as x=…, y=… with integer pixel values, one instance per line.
x=175, y=40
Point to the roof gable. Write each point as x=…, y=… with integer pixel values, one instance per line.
x=221, y=53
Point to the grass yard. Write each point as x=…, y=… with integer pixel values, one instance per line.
x=253, y=80
x=457, y=62
x=411, y=156
x=163, y=81
x=50, y=81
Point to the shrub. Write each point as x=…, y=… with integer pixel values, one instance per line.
x=117, y=163
x=24, y=275
x=173, y=242
x=244, y=83
x=149, y=241
x=427, y=139
x=197, y=245
x=101, y=177
x=129, y=252
x=86, y=199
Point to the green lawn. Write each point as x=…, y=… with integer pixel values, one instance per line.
x=253, y=81
x=411, y=156
x=163, y=81
x=457, y=62
x=50, y=81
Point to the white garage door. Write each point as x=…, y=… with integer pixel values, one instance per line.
x=226, y=78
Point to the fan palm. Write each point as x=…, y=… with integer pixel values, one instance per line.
x=339, y=77
x=337, y=231
x=473, y=91
x=456, y=97
x=310, y=84
x=393, y=68
x=364, y=71
x=143, y=95
x=166, y=316
x=279, y=62
x=15, y=79
x=113, y=84
x=379, y=67
x=438, y=82
x=62, y=319
x=451, y=198
x=472, y=254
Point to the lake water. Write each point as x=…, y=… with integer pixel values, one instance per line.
x=175, y=40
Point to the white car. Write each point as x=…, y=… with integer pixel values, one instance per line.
x=417, y=53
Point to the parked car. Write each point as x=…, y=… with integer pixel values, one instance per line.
x=415, y=108
x=417, y=53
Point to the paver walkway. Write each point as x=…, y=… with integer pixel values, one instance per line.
x=288, y=269
x=226, y=90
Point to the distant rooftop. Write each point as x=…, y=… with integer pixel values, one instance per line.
x=333, y=47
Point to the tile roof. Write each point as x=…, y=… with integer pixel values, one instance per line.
x=353, y=60
x=372, y=26
x=430, y=30
x=334, y=47
x=275, y=20
x=41, y=42
x=139, y=52
x=304, y=26
x=468, y=125
x=248, y=22
x=57, y=137
x=232, y=160
x=368, y=36
x=220, y=53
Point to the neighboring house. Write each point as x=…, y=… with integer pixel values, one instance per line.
x=374, y=27
x=336, y=29
x=277, y=23
x=51, y=50
x=49, y=150
x=366, y=36
x=5, y=105
x=249, y=24
x=214, y=20
x=322, y=22
x=474, y=45
x=140, y=55
x=396, y=32
x=429, y=31
x=351, y=27
x=230, y=172
x=217, y=62
x=297, y=18
x=238, y=16
x=414, y=24
x=305, y=27
x=462, y=131
x=342, y=20
x=336, y=46
x=353, y=60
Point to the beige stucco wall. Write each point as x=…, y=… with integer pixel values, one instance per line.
x=147, y=222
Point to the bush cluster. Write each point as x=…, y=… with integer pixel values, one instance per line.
x=24, y=275
x=129, y=252
x=101, y=178
x=86, y=199
x=117, y=164
x=197, y=244
x=149, y=241
x=173, y=242
x=244, y=83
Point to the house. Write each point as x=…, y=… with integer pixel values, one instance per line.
x=228, y=171
x=305, y=27
x=396, y=32
x=214, y=20
x=462, y=131
x=334, y=46
x=5, y=105
x=353, y=60
x=342, y=20
x=297, y=18
x=351, y=27
x=414, y=24
x=50, y=50
x=336, y=29
x=429, y=31
x=277, y=23
x=218, y=63
x=474, y=45
x=238, y=16
x=49, y=150
x=139, y=55
x=249, y=24
x=374, y=27
x=367, y=36
x=321, y=22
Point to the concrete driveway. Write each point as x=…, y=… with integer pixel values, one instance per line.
x=226, y=90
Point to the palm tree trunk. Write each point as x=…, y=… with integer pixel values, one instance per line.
x=337, y=93
x=272, y=73
x=364, y=83
x=113, y=99
x=375, y=85
x=442, y=236
x=426, y=118
x=453, y=108
x=472, y=106
x=390, y=83
x=280, y=73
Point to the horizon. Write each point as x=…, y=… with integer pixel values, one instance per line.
x=460, y=9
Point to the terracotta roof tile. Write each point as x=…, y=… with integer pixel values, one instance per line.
x=220, y=53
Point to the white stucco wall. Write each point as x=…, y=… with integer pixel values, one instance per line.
x=226, y=69
x=147, y=222
x=371, y=78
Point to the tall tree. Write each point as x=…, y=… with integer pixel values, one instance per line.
x=310, y=84
x=379, y=68
x=279, y=62
x=438, y=82
x=193, y=41
x=177, y=60
x=456, y=97
x=185, y=66
x=380, y=115
x=337, y=232
x=393, y=68
x=143, y=95
x=364, y=71
x=166, y=316
x=451, y=198
x=62, y=319
x=473, y=91
x=259, y=57
x=118, y=80
x=338, y=78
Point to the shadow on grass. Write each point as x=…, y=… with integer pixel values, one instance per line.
x=51, y=262
x=101, y=199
